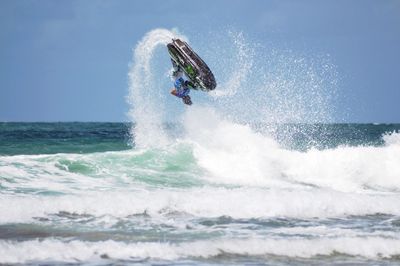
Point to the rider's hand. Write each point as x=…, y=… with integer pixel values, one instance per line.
x=189, y=84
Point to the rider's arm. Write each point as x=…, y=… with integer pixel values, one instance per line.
x=190, y=84
x=175, y=66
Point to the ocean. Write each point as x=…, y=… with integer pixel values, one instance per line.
x=253, y=173
x=233, y=194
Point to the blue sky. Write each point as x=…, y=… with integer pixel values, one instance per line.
x=68, y=60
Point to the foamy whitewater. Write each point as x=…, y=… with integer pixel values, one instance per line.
x=230, y=180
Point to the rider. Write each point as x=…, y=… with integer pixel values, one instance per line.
x=181, y=87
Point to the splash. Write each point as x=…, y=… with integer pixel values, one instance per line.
x=243, y=62
x=146, y=108
x=269, y=85
x=235, y=154
x=256, y=83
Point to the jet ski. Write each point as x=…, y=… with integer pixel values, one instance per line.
x=193, y=66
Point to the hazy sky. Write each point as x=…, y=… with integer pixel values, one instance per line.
x=68, y=60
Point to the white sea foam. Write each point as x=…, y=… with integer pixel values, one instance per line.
x=200, y=202
x=56, y=250
x=41, y=173
x=392, y=138
x=335, y=231
x=268, y=180
x=234, y=154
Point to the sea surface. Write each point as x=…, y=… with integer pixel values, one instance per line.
x=247, y=175
x=220, y=193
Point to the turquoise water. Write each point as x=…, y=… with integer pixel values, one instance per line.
x=83, y=193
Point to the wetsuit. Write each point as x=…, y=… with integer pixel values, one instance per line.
x=181, y=87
